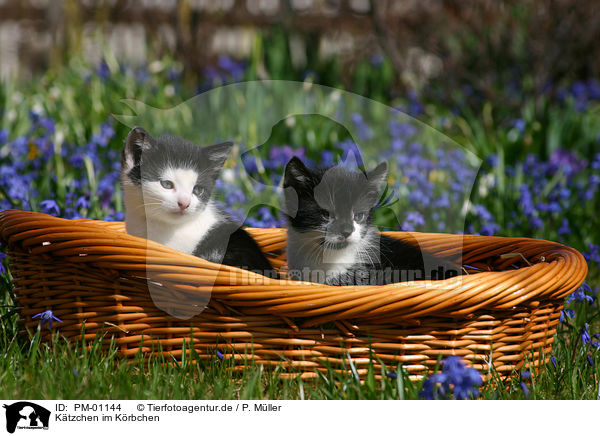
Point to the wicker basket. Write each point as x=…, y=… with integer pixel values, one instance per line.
x=93, y=274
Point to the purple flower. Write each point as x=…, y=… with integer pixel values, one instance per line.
x=401, y=130
x=413, y=219
x=2, y=268
x=219, y=354
x=443, y=202
x=327, y=158
x=519, y=124
x=142, y=74
x=594, y=254
x=590, y=360
x=103, y=71
x=567, y=161
x=596, y=162
x=490, y=229
x=525, y=389
x=279, y=156
x=231, y=67
x=585, y=334
x=115, y=216
x=20, y=147
x=46, y=316
x=526, y=201
x=82, y=203
x=564, y=227
x=581, y=294
x=376, y=60
x=173, y=74
x=47, y=124
x=50, y=207
x=249, y=162
x=364, y=131
x=415, y=107
x=536, y=223
x=566, y=313
x=554, y=361
x=455, y=379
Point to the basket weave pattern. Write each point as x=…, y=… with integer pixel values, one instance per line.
x=92, y=274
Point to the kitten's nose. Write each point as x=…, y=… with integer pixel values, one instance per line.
x=346, y=231
x=183, y=203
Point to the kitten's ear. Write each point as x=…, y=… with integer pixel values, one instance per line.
x=218, y=153
x=296, y=173
x=378, y=175
x=137, y=141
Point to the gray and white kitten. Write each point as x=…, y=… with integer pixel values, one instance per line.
x=168, y=185
x=331, y=235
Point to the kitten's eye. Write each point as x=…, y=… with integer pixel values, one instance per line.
x=360, y=217
x=197, y=190
x=327, y=214
x=167, y=184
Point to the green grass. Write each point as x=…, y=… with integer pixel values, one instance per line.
x=79, y=370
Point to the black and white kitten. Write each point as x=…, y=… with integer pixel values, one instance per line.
x=331, y=235
x=168, y=184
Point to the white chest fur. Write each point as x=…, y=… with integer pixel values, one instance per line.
x=183, y=236
x=314, y=263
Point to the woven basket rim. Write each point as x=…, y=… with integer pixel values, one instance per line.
x=555, y=271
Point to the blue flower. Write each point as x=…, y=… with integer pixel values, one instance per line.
x=413, y=219
x=443, y=202
x=566, y=161
x=526, y=200
x=566, y=313
x=525, y=389
x=402, y=130
x=219, y=354
x=50, y=207
x=536, y=223
x=142, y=74
x=594, y=254
x=327, y=158
x=173, y=74
x=518, y=124
x=596, y=162
x=376, y=60
x=46, y=316
x=554, y=361
x=231, y=67
x=2, y=268
x=455, y=379
x=585, y=334
x=392, y=375
x=590, y=360
x=364, y=131
x=115, y=216
x=415, y=107
x=103, y=71
x=234, y=196
x=490, y=229
x=581, y=294
x=564, y=227
x=47, y=124
x=82, y=203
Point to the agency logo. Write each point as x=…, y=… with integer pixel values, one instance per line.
x=26, y=415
